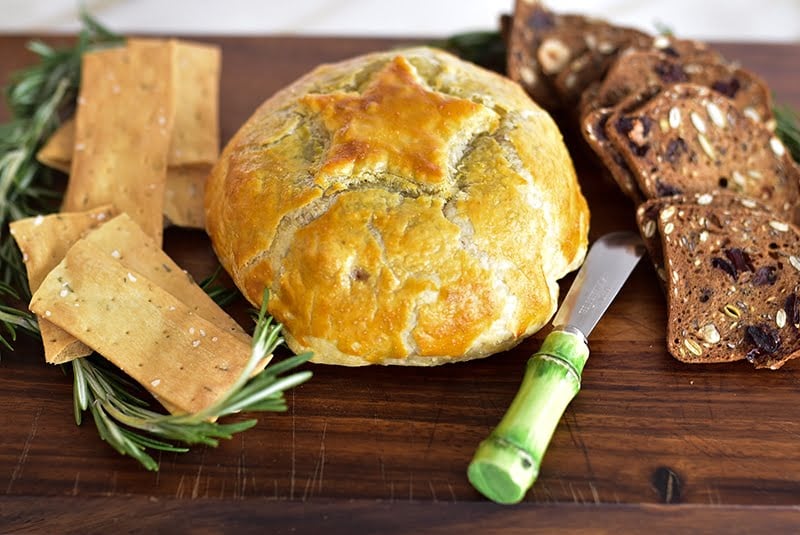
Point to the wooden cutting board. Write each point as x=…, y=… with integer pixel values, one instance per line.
x=386, y=449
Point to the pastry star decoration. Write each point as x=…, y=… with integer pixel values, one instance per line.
x=396, y=125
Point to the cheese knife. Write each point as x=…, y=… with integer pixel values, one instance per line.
x=506, y=464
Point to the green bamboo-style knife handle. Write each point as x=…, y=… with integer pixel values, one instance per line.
x=506, y=464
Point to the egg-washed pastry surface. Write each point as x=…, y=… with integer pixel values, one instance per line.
x=403, y=207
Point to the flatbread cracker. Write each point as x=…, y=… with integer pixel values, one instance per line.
x=195, y=133
x=124, y=241
x=196, y=73
x=144, y=330
x=183, y=197
x=44, y=240
x=121, y=247
x=194, y=142
x=57, y=151
x=122, y=133
x=183, y=191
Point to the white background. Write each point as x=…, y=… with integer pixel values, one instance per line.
x=762, y=20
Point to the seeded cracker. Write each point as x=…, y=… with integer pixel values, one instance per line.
x=554, y=56
x=689, y=139
x=647, y=217
x=602, y=43
x=122, y=133
x=594, y=130
x=637, y=71
x=733, y=277
x=182, y=358
x=43, y=241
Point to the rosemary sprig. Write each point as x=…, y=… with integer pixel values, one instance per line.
x=37, y=97
x=222, y=295
x=12, y=318
x=124, y=421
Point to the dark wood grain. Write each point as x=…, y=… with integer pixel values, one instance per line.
x=645, y=429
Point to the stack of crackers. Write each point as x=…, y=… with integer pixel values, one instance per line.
x=689, y=137
x=142, y=141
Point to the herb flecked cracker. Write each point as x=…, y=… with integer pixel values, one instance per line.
x=183, y=197
x=122, y=133
x=57, y=150
x=183, y=191
x=124, y=241
x=184, y=359
x=195, y=136
x=194, y=142
x=43, y=241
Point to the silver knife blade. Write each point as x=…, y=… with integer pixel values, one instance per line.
x=607, y=266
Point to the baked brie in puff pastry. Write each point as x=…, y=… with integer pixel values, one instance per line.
x=403, y=207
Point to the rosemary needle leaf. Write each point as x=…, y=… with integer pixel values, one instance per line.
x=81, y=393
x=286, y=364
x=12, y=318
x=147, y=442
x=221, y=295
x=41, y=49
x=255, y=396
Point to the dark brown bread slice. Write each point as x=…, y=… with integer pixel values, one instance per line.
x=678, y=50
x=530, y=22
x=542, y=44
x=635, y=71
x=594, y=131
x=647, y=217
x=733, y=277
x=602, y=42
x=690, y=139
x=589, y=101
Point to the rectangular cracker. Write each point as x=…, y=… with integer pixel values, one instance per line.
x=731, y=284
x=57, y=151
x=122, y=133
x=647, y=217
x=196, y=73
x=117, y=278
x=122, y=240
x=195, y=132
x=593, y=129
x=43, y=241
x=690, y=139
x=144, y=330
x=183, y=191
x=183, y=197
x=635, y=71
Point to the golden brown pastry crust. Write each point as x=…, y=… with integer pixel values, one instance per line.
x=403, y=207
